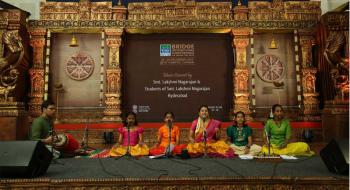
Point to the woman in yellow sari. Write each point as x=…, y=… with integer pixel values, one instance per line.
x=204, y=137
x=279, y=132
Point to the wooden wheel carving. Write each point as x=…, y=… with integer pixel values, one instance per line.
x=270, y=68
x=79, y=66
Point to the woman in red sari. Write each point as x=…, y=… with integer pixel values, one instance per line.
x=163, y=137
x=204, y=137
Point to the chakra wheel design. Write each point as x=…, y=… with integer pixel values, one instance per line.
x=270, y=68
x=80, y=66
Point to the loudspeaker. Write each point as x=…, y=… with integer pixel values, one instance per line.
x=336, y=156
x=23, y=158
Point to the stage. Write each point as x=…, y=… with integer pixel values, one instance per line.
x=200, y=173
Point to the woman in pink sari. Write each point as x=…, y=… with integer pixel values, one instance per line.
x=204, y=137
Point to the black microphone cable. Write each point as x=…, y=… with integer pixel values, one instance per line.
x=190, y=172
x=229, y=168
x=108, y=172
x=151, y=169
x=113, y=174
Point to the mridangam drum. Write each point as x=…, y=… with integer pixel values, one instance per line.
x=67, y=143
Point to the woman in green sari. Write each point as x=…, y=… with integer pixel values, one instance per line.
x=279, y=131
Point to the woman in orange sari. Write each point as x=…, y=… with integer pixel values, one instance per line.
x=163, y=145
x=204, y=137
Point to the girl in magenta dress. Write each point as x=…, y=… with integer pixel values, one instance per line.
x=136, y=145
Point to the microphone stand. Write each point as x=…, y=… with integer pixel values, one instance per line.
x=205, y=143
x=53, y=133
x=128, y=155
x=85, y=141
x=168, y=153
x=205, y=139
x=268, y=143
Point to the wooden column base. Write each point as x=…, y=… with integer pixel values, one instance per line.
x=14, y=121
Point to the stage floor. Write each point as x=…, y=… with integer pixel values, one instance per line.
x=200, y=173
x=200, y=167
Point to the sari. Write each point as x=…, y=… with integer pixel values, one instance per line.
x=163, y=134
x=278, y=135
x=215, y=148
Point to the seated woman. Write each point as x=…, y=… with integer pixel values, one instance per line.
x=163, y=137
x=240, y=135
x=136, y=145
x=205, y=130
x=279, y=131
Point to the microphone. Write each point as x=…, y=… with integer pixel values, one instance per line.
x=128, y=125
x=204, y=118
x=267, y=136
x=170, y=124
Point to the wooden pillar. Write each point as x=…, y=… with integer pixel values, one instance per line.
x=112, y=110
x=241, y=72
x=37, y=72
x=310, y=101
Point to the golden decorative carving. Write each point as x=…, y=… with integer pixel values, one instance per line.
x=163, y=25
x=113, y=80
x=37, y=41
x=307, y=40
x=241, y=78
x=289, y=10
x=37, y=91
x=37, y=76
x=4, y=92
x=241, y=72
x=37, y=82
x=309, y=92
x=240, y=12
x=12, y=109
x=308, y=76
x=306, y=43
x=15, y=18
x=260, y=10
x=113, y=42
x=14, y=52
x=180, y=10
x=306, y=10
x=337, y=21
x=83, y=10
x=112, y=110
x=119, y=12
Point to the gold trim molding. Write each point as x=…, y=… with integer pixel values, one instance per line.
x=171, y=24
